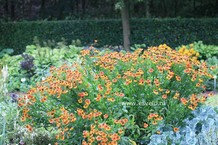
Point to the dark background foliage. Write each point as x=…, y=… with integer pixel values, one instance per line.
x=19, y=10
x=152, y=32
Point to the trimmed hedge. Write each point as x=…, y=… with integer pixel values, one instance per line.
x=152, y=32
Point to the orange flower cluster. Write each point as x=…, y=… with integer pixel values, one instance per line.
x=194, y=102
x=64, y=119
x=154, y=117
x=93, y=114
x=95, y=86
x=121, y=121
x=101, y=134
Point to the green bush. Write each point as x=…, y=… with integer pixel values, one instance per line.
x=206, y=51
x=152, y=32
x=112, y=97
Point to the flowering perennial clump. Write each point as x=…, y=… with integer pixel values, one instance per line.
x=84, y=101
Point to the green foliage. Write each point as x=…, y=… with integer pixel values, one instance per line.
x=206, y=51
x=173, y=32
x=25, y=72
x=6, y=51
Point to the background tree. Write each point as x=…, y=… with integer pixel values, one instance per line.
x=124, y=5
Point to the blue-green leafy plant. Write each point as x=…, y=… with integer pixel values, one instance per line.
x=201, y=129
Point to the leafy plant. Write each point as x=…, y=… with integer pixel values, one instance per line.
x=6, y=51
x=206, y=51
x=32, y=66
x=136, y=46
x=199, y=49
x=201, y=129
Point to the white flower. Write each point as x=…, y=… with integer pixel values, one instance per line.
x=23, y=80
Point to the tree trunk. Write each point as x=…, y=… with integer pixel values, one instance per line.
x=175, y=8
x=30, y=9
x=165, y=9
x=42, y=8
x=147, y=8
x=12, y=10
x=83, y=8
x=77, y=7
x=215, y=7
x=6, y=8
x=194, y=4
x=60, y=10
x=126, y=27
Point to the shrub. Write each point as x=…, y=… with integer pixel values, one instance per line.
x=112, y=97
x=152, y=32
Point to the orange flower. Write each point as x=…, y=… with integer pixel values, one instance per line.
x=141, y=81
x=167, y=91
x=175, y=129
x=178, y=78
x=80, y=100
x=23, y=118
x=43, y=99
x=148, y=82
x=85, y=134
x=29, y=128
x=98, y=138
x=120, y=131
x=155, y=92
x=151, y=70
x=105, y=115
x=154, y=122
x=164, y=96
x=198, y=84
x=100, y=88
x=87, y=101
x=145, y=125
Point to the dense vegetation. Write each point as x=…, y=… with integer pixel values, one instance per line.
x=19, y=10
x=151, y=32
x=56, y=92
x=146, y=76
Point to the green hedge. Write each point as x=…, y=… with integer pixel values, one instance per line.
x=173, y=32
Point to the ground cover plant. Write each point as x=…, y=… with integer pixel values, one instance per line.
x=201, y=129
x=116, y=97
